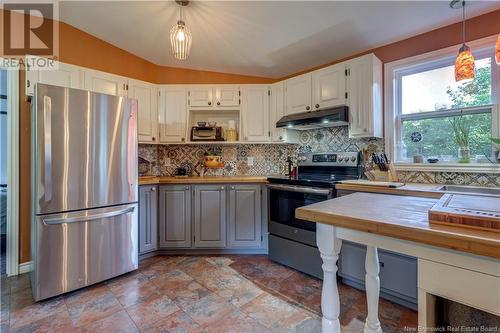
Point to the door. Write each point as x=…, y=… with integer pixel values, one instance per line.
x=65, y=76
x=227, y=95
x=172, y=114
x=175, y=216
x=85, y=152
x=298, y=94
x=276, y=111
x=105, y=83
x=245, y=216
x=148, y=218
x=329, y=87
x=364, y=87
x=255, y=111
x=210, y=216
x=200, y=96
x=86, y=247
x=147, y=113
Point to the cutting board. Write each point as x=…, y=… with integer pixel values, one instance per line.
x=372, y=183
x=478, y=212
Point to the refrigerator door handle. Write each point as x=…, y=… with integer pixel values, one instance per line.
x=84, y=217
x=47, y=180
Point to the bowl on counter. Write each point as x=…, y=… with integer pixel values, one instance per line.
x=212, y=123
x=201, y=123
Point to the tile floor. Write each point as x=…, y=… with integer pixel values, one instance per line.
x=192, y=294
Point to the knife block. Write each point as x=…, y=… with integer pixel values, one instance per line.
x=375, y=174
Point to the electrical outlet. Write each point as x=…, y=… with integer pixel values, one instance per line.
x=167, y=162
x=250, y=161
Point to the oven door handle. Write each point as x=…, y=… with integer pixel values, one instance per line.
x=300, y=189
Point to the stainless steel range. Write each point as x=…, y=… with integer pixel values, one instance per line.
x=292, y=241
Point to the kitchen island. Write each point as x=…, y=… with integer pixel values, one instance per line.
x=448, y=257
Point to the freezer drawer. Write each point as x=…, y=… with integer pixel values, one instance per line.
x=76, y=249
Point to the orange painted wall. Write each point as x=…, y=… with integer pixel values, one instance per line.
x=80, y=48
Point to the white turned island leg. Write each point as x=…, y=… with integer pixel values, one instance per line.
x=329, y=248
x=372, y=284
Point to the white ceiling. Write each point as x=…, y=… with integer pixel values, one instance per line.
x=261, y=38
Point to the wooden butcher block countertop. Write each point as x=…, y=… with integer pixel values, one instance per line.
x=148, y=180
x=402, y=217
x=413, y=189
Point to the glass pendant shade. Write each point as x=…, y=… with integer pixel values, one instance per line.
x=497, y=51
x=180, y=40
x=464, y=65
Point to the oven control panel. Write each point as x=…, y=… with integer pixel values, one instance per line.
x=350, y=159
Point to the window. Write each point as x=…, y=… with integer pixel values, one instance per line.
x=425, y=102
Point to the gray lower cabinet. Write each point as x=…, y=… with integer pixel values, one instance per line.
x=148, y=222
x=244, y=216
x=209, y=216
x=175, y=216
x=398, y=272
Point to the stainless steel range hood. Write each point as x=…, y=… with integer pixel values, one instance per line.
x=337, y=116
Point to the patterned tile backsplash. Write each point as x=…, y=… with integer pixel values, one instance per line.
x=162, y=160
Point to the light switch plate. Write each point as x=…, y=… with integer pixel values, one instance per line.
x=250, y=161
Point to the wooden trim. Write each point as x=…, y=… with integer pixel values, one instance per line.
x=12, y=254
x=25, y=267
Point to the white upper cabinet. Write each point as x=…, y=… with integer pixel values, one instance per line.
x=329, y=87
x=105, y=83
x=255, y=112
x=364, y=88
x=147, y=100
x=227, y=95
x=298, y=94
x=172, y=114
x=66, y=75
x=200, y=96
x=276, y=111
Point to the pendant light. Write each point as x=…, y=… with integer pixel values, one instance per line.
x=497, y=51
x=464, y=64
x=180, y=36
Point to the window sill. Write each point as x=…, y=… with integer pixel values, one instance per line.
x=449, y=167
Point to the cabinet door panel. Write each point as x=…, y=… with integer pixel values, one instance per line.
x=298, y=94
x=148, y=222
x=329, y=87
x=245, y=216
x=172, y=114
x=210, y=216
x=255, y=113
x=65, y=76
x=227, y=96
x=105, y=83
x=364, y=86
x=175, y=216
x=276, y=111
x=146, y=95
x=200, y=96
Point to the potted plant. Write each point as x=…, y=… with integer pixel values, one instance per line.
x=496, y=149
x=461, y=137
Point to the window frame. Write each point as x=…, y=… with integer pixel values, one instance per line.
x=482, y=48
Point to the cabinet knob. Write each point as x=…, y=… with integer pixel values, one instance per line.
x=281, y=138
x=246, y=138
x=308, y=108
x=232, y=187
x=186, y=188
x=317, y=106
x=153, y=138
x=153, y=189
x=218, y=103
x=183, y=139
x=28, y=83
x=365, y=130
x=381, y=263
x=209, y=103
x=222, y=187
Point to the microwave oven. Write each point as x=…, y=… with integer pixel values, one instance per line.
x=206, y=133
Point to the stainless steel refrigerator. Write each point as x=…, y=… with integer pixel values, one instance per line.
x=83, y=188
